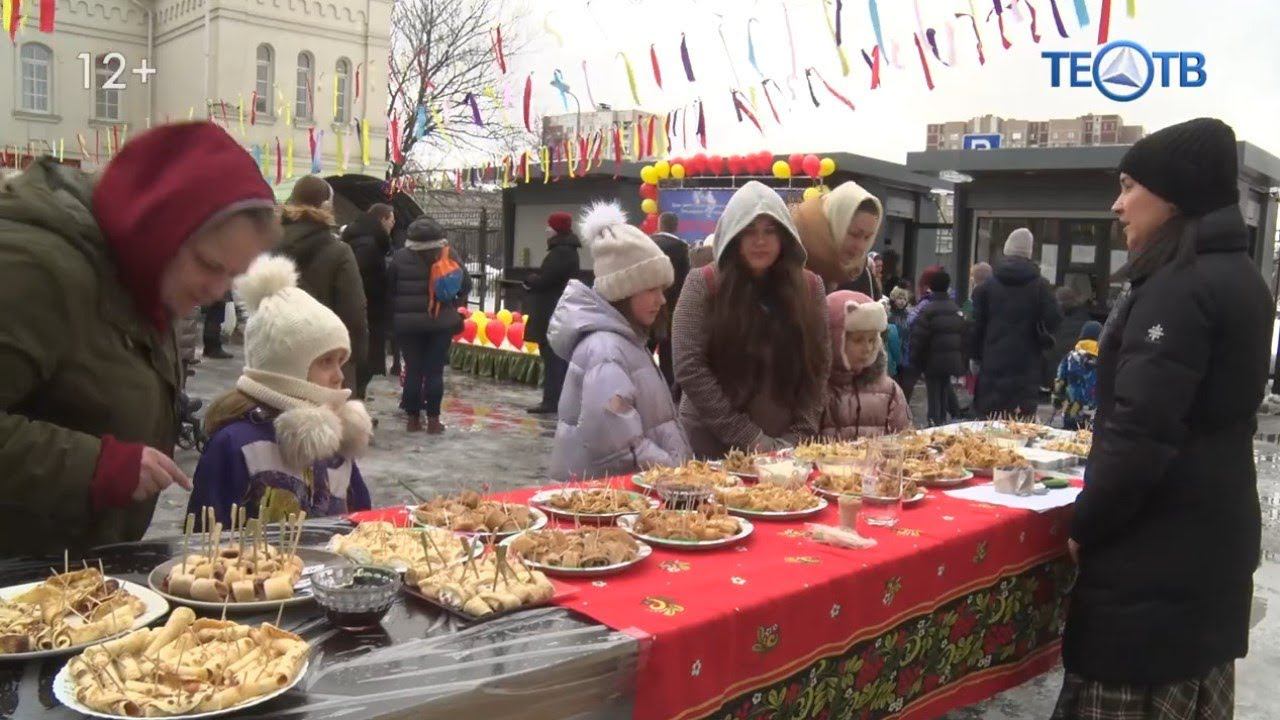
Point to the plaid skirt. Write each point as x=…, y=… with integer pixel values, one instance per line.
x=1210, y=697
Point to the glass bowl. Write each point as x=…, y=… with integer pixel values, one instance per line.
x=356, y=597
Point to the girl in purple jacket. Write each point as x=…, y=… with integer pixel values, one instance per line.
x=286, y=437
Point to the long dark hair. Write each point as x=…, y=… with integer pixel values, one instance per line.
x=1174, y=242
x=765, y=323
x=656, y=331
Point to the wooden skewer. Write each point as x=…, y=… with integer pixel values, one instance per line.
x=280, y=613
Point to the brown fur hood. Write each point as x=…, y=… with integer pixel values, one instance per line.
x=305, y=213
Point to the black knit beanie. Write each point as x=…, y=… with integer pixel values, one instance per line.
x=1192, y=165
x=425, y=229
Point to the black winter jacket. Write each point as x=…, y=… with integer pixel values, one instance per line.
x=371, y=244
x=1169, y=522
x=409, y=300
x=558, y=267
x=677, y=251
x=1006, y=310
x=938, y=338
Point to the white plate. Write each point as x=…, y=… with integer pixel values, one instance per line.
x=543, y=498
x=642, y=552
x=312, y=560
x=627, y=522
x=641, y=480
x=155, y=609
x=64, y=691
x=951, y=481
x=361, y=557
x=780, y=515
x=920, y=495
x=914, y=499
x=540, y=521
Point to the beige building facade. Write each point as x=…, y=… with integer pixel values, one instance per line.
x=1086, y=130
x=209, y=57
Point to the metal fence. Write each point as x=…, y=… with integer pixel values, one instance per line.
x=477, y=239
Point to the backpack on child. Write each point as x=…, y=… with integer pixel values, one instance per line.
x=445, y=282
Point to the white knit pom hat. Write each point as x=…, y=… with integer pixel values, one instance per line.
x=287, y=330
x=624, y=259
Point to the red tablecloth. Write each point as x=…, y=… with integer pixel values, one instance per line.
x=959, y=601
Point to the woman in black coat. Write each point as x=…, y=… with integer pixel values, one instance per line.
x=1014, y=316
x=558, y=267
x=1167, y=531
x=938, y=347
x=370, y=239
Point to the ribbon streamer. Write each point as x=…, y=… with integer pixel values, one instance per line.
x=62, y=146
x=769, y=99
x=844, y=60
x=924, y=62
x=557, y=82
x=751, y=48
x=873, y=7
x=617, y=150
x=1004, y=39
x=835, y=93
x=791, y=40
x=728, y=55
x=1035, y=34
x=311, y=145
x=47, y=10
x=253, y=108
x=546, y=164
x=873, y=63
x=701, y=130
x=1082, y=13
x=982, y=57
x=1131, y=8
x=684, y=58
x=653, y=60
x=240, y=113
x=497, y=50
x=528, y=98
x=13, y=18
x=1104, y=21
x=631, y=78
x=648, y=143
x=397, y=154
x=808, y=78
x=279, y=162
x=420, y=123
x=1057, y=18
x=364, y=142
x=357, y=94
x=475, y=109
x=932, y=36
x=839, y=10
x=546, y=25
x=84, y=150
x=288, y=156
x=742, y=109
x=586, y=79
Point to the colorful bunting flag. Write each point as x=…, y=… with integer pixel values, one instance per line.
x=684, y=58
x=364, y=142
x=47, y=10
x=924, y=62
x=528, y=98
x=631, y=78
x=1104, y=22
x=497, y=50
x=653, y=60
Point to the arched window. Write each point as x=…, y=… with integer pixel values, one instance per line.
x=342, y=78
x=264, y=79
x=37, y=78
x=306, y=85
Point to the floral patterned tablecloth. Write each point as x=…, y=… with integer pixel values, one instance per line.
x=958, y=602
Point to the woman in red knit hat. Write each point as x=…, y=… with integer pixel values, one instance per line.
x=92, y=278
x=559, y=266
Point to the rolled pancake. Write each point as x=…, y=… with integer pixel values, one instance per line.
x=118, y=621
x=209, y=590
x=243, y=591
x=475, y=607
x=233, y=575
x=201, y=571
x=279, y=587
x=179, y=620
x=180, y=584
x=130, y=644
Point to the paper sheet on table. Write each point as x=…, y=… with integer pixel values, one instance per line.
x=1038, y=503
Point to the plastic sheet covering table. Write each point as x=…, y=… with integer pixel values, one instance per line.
x=541, y=663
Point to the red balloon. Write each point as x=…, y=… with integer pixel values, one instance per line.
x=650, y=224
x=796, y=161
x=515, y=334
x=698, y=164
x=464, y=311
x=649, y=192
x=517, y=317
x=469, y=330
x=812, y=165
x=734, y=163
x=491, y=315
x=766, y=162
x=716, y=165
x=495, y=331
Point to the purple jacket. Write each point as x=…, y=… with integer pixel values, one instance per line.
x=242, y=461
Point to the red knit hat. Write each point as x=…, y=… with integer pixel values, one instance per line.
x=561, y=222
x=160, y=189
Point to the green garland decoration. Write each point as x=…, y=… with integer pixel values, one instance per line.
x=490, y=362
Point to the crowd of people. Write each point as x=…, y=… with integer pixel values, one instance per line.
x=785, y=326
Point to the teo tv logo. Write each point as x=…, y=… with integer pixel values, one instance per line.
x=1124, y=71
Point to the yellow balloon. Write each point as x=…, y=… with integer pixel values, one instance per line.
x=531, y=347
x=663, y=168
x=478, y=316
x=505, y=316
x=811, y=193
x=782, y=170
x=649, y=175
x=826, y=167
x=649, y=206
x=480, y=321
x=677, y=171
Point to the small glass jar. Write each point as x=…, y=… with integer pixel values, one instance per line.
x=356, y=597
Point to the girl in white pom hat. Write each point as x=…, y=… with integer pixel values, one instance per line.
x=616, y=412
x=286, y=437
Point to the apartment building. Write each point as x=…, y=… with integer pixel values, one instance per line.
x=558, y=128
x=1086, y=130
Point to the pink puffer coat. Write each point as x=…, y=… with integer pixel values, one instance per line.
x=862, y=403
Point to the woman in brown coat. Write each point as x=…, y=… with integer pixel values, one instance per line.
x=838, y=231
x=750, y=334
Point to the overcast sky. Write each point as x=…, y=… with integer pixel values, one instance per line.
x=1236, y=36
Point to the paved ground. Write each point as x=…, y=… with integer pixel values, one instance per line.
x=490, y=440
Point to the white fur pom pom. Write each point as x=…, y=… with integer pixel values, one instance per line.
x=268, y=275
x=357, y=429
x=602, y=214
x=307, y=435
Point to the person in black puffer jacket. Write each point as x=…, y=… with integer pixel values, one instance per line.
x=547, y=285
x=1014, y=316
x=1167, y=531
x=423, y=336
x=937, y=347
x=370, y=239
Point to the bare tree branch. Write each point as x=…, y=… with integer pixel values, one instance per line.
x=443, y=51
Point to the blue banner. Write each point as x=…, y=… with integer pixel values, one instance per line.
x=700, y=208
